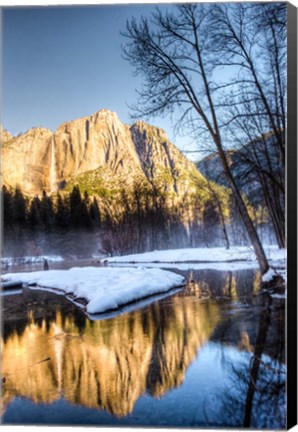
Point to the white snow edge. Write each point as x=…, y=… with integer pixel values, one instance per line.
x=272, y=273
x=30, y=259
x=103, y=288
x=269, y=275
x=234, y=255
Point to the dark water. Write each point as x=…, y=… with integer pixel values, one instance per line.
x=211, y=355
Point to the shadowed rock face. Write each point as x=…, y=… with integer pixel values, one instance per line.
x=246, y=163
x=140, y=152
x=161, y=160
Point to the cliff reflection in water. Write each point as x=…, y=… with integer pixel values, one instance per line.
x=107, y=364
x=235, y=286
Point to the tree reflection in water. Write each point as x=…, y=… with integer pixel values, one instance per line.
x=110, y=364
x=255, y=395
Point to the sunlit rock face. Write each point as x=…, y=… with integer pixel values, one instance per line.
x=5, y=135
x=109, y=364
x=91, y=142
x=94, y=149
x=26, y=160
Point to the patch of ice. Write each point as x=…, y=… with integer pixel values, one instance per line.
x=53, y=258
x=10, y=292
x=103, y=288
x=218, y=266
x=30, y=259
x=201, y=255
x=278, y=296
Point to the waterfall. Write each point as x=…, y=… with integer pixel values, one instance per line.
x=59, y=342
x=53, y=186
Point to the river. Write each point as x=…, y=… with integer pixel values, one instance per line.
x=210, y=355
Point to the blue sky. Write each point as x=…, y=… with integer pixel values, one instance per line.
x=62, y=63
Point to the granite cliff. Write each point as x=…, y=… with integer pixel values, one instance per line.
x=99, y=153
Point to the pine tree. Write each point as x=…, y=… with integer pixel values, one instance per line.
x=34, y=217
x=61, y=218
x=74, y=207
x=85, y=215
x=46, y=211
x=79, y=216
x=86, y=199
x=19, y=208
x=94, y=214
x=7, y=207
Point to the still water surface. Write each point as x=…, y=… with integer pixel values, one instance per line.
x=210, y=355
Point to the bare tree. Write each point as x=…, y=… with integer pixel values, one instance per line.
x=251, y=39
x=173, y=55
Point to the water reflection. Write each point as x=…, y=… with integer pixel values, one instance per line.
x=211, y=355
x=255, y=395
x=266, y=379
x=240, y=286
x=110, y=363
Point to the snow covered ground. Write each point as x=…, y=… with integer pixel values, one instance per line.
x=205, y=256
x=9, y=261
x=235, y=258
x=103, y=288
x=108, y=288
x=221, y=266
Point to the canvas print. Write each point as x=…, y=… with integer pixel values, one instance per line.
x=143, y=247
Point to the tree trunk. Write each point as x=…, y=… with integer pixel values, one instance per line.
x=252, y=233
x=254, y=370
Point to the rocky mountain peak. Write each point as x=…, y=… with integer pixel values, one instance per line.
x=105, y=114
x=84, y=128
x=148, y=130
x=95, y=149
x=37, y=132
x=5, y=135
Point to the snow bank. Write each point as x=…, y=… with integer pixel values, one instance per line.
x=219, y=266
x=103, y=288
x=272, y=273
x=269, y=275
x=131, y=307
x=201, y=255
